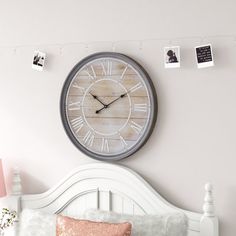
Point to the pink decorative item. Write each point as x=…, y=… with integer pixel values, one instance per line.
x=3, y=192
x=67, y=226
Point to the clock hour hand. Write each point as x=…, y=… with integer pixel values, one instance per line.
x=95, y=97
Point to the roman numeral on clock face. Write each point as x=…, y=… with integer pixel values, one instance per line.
x=88, y=69
x=77, y=124
x=88, y=139
x=123, y=142
x=105, y=146
x=140, y=107
x=107, y=67
x=136, y=127
x=124, y=71
x=76, y=85
x=136, y=87
x=73, y=106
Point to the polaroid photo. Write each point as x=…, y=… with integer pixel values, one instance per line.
x=172, y=57
x=38, y=60
x=204, y=56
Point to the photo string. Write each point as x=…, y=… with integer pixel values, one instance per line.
x=140, y=42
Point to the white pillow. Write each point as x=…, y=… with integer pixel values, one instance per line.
x=36, y=223
x=170, y=224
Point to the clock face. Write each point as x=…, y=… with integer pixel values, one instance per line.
x=108, y=106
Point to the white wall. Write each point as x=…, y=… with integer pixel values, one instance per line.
x=194, y=140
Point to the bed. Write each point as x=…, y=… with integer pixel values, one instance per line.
x=112, y=188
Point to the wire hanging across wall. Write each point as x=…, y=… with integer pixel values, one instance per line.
x=140, y=42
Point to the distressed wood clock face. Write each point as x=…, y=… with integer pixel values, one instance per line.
x=108, y=106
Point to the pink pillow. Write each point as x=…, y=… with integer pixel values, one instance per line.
x=67, y=226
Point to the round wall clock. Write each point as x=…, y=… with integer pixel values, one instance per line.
x=108, y=106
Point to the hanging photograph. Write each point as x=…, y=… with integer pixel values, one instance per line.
x=172, y=57
x=204, y=56
x=38, y=60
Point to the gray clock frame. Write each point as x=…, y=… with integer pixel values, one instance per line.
x=153, y=102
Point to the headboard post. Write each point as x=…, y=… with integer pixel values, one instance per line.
x=14, y=200
x=16, y=182
x=16, y=191
x=209, y=222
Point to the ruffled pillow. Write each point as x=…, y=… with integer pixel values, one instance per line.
x=171, y=224
x=37, y=223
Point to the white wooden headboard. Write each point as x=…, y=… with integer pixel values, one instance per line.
x=114, y=188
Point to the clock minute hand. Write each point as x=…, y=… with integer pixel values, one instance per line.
x=106, y=106
x=121, y=96
x=113, y=101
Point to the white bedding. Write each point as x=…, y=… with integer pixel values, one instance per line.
x=36, y=223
